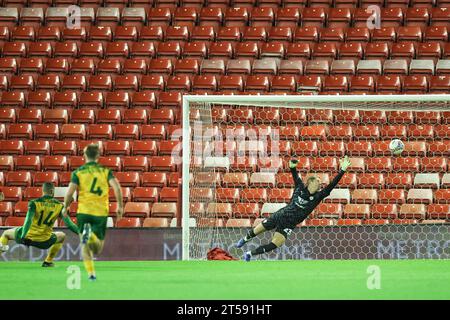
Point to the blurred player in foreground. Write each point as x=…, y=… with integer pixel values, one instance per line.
x=92, y=181
x=37, y=230
x=304, y=200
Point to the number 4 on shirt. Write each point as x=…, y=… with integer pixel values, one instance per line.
x=93, y=190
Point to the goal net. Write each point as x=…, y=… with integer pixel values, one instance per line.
x=235, y=173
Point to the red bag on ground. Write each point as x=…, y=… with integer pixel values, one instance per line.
x=219, y=254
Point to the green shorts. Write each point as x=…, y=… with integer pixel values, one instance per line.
x=38, y=244
x=98, y=224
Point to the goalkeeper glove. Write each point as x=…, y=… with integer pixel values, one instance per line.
x=293, y=163
x=345, y=163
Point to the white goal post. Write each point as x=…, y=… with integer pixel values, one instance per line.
x=193, y=232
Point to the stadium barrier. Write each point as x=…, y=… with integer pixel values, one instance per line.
x=372, y=242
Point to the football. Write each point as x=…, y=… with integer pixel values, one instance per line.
x=396, y=146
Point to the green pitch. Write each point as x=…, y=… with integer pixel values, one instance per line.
x=400, y=279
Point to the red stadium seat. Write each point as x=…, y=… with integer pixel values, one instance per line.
x=11, y=147
x=329, y=210
x=406, y=164
x=356, y=211
x=371, y=180
x=128, y=179
x=137, y=209
x=348, y=181
x=279, y=195
x=99, y=131
x=439, y=148
x=20, y=131
x=111, y=162
x=254, y=195
x=12, y=194
x=227, y=195
x=163, y=163
x=434, y=164
x=384, y=211
x=168, y=194
x=364, y=196
x=392, y=196
x=6, y=163
x=47, y=131
x=135, y=163
x=21, y=208
x=41, y=177
x=65, y=99
x=438, y=211
x=73, y=131
x=54, y=163
x=126, y=194
x=14, y=221
x=238, y=223
x=319, y=222
x=59, y=116
x=29, y=162
x=18, y=179
x=442, y=196
x=119, y=147
x=154, y=179
x=128, y=223
x=287, y=16
x=126, y=131
x=412, y=211
x=156, y=223
x=146, y=148
x=6, y=209
x=145, y=194
x=7, y=115
x=29, y=116
x=164, y=209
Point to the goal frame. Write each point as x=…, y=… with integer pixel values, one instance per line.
x=271, y=101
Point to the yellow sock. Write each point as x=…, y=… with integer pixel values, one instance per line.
x=3, y=240
x=93, y=242
x=54, y=249
x=89, y=265
x=93, y=239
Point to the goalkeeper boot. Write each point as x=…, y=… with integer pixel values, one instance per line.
x=86, y=233
x=92, y=278
x=240, y=243
x=247, y=256
x=46, y=264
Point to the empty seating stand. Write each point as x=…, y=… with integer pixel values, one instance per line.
x=120, y=77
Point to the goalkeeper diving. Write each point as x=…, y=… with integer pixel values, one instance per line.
x=305, y=199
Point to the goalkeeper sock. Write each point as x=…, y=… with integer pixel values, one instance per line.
x=250, y=235
x=263, y=249
x=54, y=249
x=3, y=240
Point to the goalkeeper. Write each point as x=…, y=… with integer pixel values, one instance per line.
x=304, y=200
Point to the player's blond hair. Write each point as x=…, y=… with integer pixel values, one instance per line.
x=311, y=179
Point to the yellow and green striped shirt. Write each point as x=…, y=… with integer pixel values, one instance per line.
x=93, y=188
x=43, y=213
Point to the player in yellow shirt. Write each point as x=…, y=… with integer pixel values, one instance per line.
x=92, y=181
x=37, y=231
